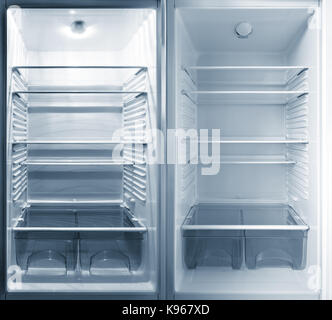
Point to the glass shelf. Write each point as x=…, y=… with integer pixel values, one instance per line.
x=110, y=219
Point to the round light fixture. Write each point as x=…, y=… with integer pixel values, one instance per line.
x=78, y=26
x=243, y=30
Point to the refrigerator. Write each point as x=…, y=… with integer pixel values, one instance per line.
x=171, y=149
x=81, y=199
x=249, y=217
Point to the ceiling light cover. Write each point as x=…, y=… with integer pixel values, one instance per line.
x=78, y=26
x=243, y=30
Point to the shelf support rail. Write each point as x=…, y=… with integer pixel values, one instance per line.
x=296, y=120
x=18, y=126
x=186, y=72
x=135, y=125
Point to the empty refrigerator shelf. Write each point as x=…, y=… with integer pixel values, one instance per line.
x=262, y=75
x=37, y=76
x=113, y=141
x=110, y=219
x=243, y=97
x=283, y=69
x=78, y=97
x=277, y=140
x=139, y=68
x=76, y=162
x=79, y=92
x=74, y=202
x=254, y=160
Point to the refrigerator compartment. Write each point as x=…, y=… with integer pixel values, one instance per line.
x=243, y=88
x=75, y=116
x=275, y=237
x=206, y=243
x=111, y=254
x=67, y=77
x=279, y=78
x=46, y=253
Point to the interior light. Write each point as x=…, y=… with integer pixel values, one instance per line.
x=78, y=26
x=72, y=11
x=78, y=30
x=243, y=30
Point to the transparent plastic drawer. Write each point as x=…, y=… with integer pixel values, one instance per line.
x=111, y=254
x=95, y=241
x=46, y=253
x=276, y=237
x=268, y=235
x=205, y=243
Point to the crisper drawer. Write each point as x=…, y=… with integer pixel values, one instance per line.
x=206, y=244
x=276, y=237
x=266, y=235
x=63, y=241
x=110, y=254
x=46, y=253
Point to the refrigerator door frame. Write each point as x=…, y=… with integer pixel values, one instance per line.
x=159, y=6
x=326, y=164
x=170, y=170
x=2, y=149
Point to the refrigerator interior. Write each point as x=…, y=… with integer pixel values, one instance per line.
x=81, y=198
x=255, y=228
